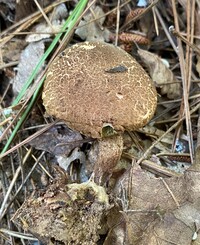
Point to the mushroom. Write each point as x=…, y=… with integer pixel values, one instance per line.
x=100, y=90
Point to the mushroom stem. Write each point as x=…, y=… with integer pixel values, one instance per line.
x=108, y=151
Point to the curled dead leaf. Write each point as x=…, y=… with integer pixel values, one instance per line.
x=161, y=74
x=58, y=140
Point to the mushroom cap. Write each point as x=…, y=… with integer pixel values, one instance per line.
x=91, y=85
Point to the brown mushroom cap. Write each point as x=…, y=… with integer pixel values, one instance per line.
x=93, y=84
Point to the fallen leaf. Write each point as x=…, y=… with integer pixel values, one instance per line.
x=29, y=59
x=158, y=210
x=161, y=74
x=58, y=140
x=90, y=29
x=44, y=30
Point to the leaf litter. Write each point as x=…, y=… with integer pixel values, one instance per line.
x=154, y=202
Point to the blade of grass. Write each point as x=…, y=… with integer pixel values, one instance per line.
x=68, y=26
x=23, y=117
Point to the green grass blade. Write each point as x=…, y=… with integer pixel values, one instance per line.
x=67, y=27
x=23, y=117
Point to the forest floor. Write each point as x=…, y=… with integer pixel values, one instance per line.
x=48, y=190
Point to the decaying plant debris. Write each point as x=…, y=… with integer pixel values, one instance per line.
x=75, y=210
x=48, y=192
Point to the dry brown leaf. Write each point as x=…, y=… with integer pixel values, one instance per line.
x=158, y=211
x=153, y=131
x=11, y=51
x=58, y=140
x=161, y=74
x=176, y=227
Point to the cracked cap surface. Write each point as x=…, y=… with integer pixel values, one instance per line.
x=92, y=84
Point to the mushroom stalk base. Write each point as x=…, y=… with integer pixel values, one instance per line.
x=108, y=151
